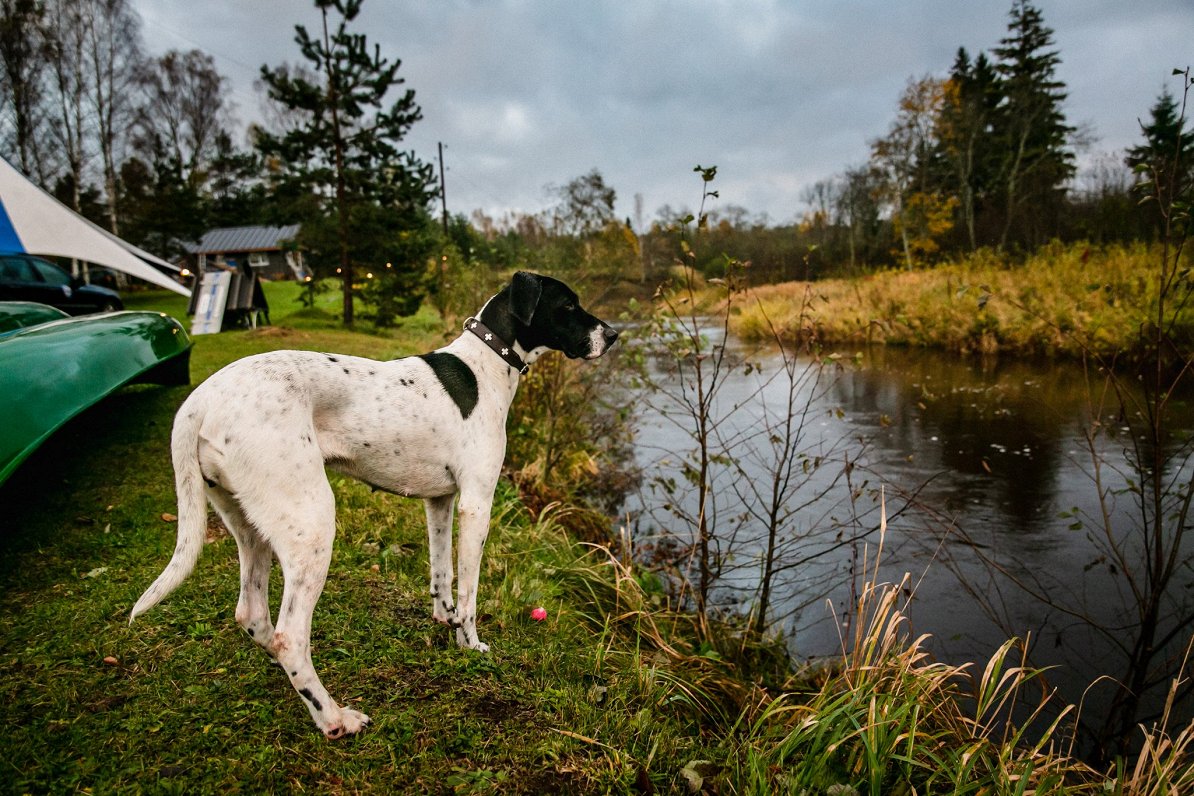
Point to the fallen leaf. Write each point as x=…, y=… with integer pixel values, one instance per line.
x=695, y=773
x=597, y=694
x=694, y=780
x=167, y=517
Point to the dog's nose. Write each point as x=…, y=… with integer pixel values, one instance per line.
x=611, y=336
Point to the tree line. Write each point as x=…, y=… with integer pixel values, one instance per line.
x=983, y=157
x=145, y=146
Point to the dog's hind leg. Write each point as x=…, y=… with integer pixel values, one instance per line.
x=306, y=523
x=439, y=534
x=256, y=556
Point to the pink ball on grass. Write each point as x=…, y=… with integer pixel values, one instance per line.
x=538, y=614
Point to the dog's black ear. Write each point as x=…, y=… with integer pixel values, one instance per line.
x=524, y=295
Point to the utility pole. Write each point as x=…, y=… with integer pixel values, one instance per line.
x=443, y=191
x=443, y=260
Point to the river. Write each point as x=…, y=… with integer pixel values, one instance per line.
x=995, y=452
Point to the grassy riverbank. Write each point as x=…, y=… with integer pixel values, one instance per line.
x=1053, y=303
x=610, y=694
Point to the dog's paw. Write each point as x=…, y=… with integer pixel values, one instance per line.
x=443, y=611
x=463, y=641
x=351, y=722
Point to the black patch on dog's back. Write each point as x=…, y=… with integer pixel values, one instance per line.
x=458, y=379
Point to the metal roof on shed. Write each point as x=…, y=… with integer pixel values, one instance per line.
x=243, y=239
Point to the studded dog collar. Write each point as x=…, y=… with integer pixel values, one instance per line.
x=499, y=346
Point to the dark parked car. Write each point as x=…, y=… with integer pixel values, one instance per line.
x=26, y=278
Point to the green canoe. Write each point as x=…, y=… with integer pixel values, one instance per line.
x=53, y=367
x=17, y=315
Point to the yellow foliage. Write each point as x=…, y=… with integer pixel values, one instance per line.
x=926, y=217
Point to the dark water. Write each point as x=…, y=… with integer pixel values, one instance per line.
x=1005, y=506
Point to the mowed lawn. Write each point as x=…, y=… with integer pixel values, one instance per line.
x=184, y=702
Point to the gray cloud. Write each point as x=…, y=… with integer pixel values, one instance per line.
x=777, y=93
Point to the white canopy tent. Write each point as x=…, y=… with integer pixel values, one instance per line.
x=34, y=222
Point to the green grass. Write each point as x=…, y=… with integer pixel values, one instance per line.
x=293, y=326
x=184, y=702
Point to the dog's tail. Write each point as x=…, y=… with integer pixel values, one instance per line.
x=192, y=511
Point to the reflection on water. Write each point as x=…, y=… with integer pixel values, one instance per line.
x=996, y=453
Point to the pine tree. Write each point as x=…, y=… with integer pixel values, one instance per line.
x=1031, y=127
x=1165, y=143
x=345, y=148
x=968, y=151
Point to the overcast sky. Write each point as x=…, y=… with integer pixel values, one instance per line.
x=777, y=93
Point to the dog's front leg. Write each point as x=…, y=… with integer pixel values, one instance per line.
x=439, y=535
x=475, y=507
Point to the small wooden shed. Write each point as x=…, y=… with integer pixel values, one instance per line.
x=269, y=252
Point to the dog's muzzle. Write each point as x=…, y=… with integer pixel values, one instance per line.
x=600, y=340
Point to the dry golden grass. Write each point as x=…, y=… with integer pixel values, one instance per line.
x=1058, y=302
x=886, y=719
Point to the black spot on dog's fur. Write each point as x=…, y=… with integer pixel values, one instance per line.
x=307, y=695
x=458, y=379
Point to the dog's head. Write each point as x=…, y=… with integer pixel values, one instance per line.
x=540, y=313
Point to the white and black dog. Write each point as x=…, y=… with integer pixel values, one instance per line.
x=255, y=437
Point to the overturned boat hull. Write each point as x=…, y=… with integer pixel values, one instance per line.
x=51, y=371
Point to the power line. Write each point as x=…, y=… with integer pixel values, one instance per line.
x=236, y=88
